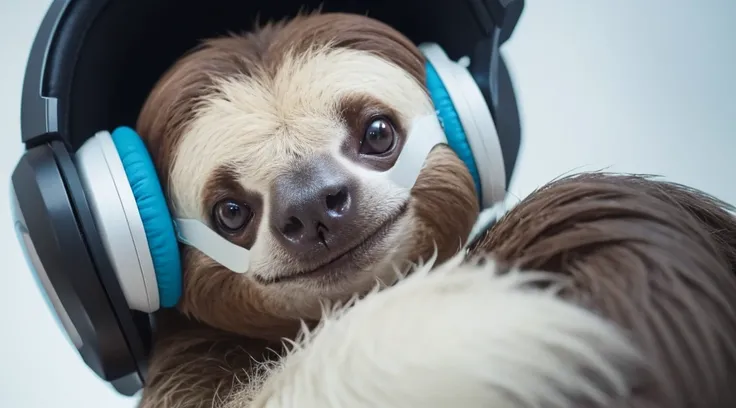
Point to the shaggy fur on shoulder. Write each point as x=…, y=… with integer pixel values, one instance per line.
x=656, y=258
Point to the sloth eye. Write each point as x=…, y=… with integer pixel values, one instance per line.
x=379, y=138
x=231, y=216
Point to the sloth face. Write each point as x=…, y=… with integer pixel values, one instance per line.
x=279, y=140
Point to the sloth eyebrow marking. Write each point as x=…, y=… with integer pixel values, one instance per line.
x=356, y=110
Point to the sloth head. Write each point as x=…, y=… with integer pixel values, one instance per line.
x=278, y=140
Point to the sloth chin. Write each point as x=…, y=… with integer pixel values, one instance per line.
x=376, y=258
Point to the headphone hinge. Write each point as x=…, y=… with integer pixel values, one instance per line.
x=483, y=15
x=44, y=138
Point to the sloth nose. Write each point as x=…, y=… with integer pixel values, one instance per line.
x=313, y=207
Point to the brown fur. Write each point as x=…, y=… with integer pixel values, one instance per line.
x=197, y=366
x=445, y=209
x=656, y=258
x=210, y=344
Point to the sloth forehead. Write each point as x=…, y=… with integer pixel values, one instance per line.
x=258, y=125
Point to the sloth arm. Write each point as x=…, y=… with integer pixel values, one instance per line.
x=460, y=335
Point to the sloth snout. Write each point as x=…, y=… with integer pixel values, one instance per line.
x=314, y=206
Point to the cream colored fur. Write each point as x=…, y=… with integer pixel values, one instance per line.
x=259, y=125
x=460, y=336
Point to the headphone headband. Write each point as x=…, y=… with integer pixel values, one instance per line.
x=67, y=96
x=94, y=223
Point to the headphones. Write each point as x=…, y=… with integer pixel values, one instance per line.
x=93, y=221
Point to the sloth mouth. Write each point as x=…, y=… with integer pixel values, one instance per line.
x=333, y=267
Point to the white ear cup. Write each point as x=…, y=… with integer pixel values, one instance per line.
x=118, y=220
x=477, y=122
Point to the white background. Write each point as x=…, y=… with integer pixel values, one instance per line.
x=628, y=85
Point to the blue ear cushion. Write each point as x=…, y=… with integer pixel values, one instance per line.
x=154, y=212
x=451, y=124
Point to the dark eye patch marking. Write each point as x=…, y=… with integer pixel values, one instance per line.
x=358, y=112
x=223, y=185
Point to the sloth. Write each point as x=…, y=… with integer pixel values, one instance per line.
x=597, y=290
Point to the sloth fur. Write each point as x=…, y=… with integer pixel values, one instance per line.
x=597, y=290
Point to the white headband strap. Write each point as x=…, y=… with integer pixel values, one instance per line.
x=426, y=133
x=196, y=234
